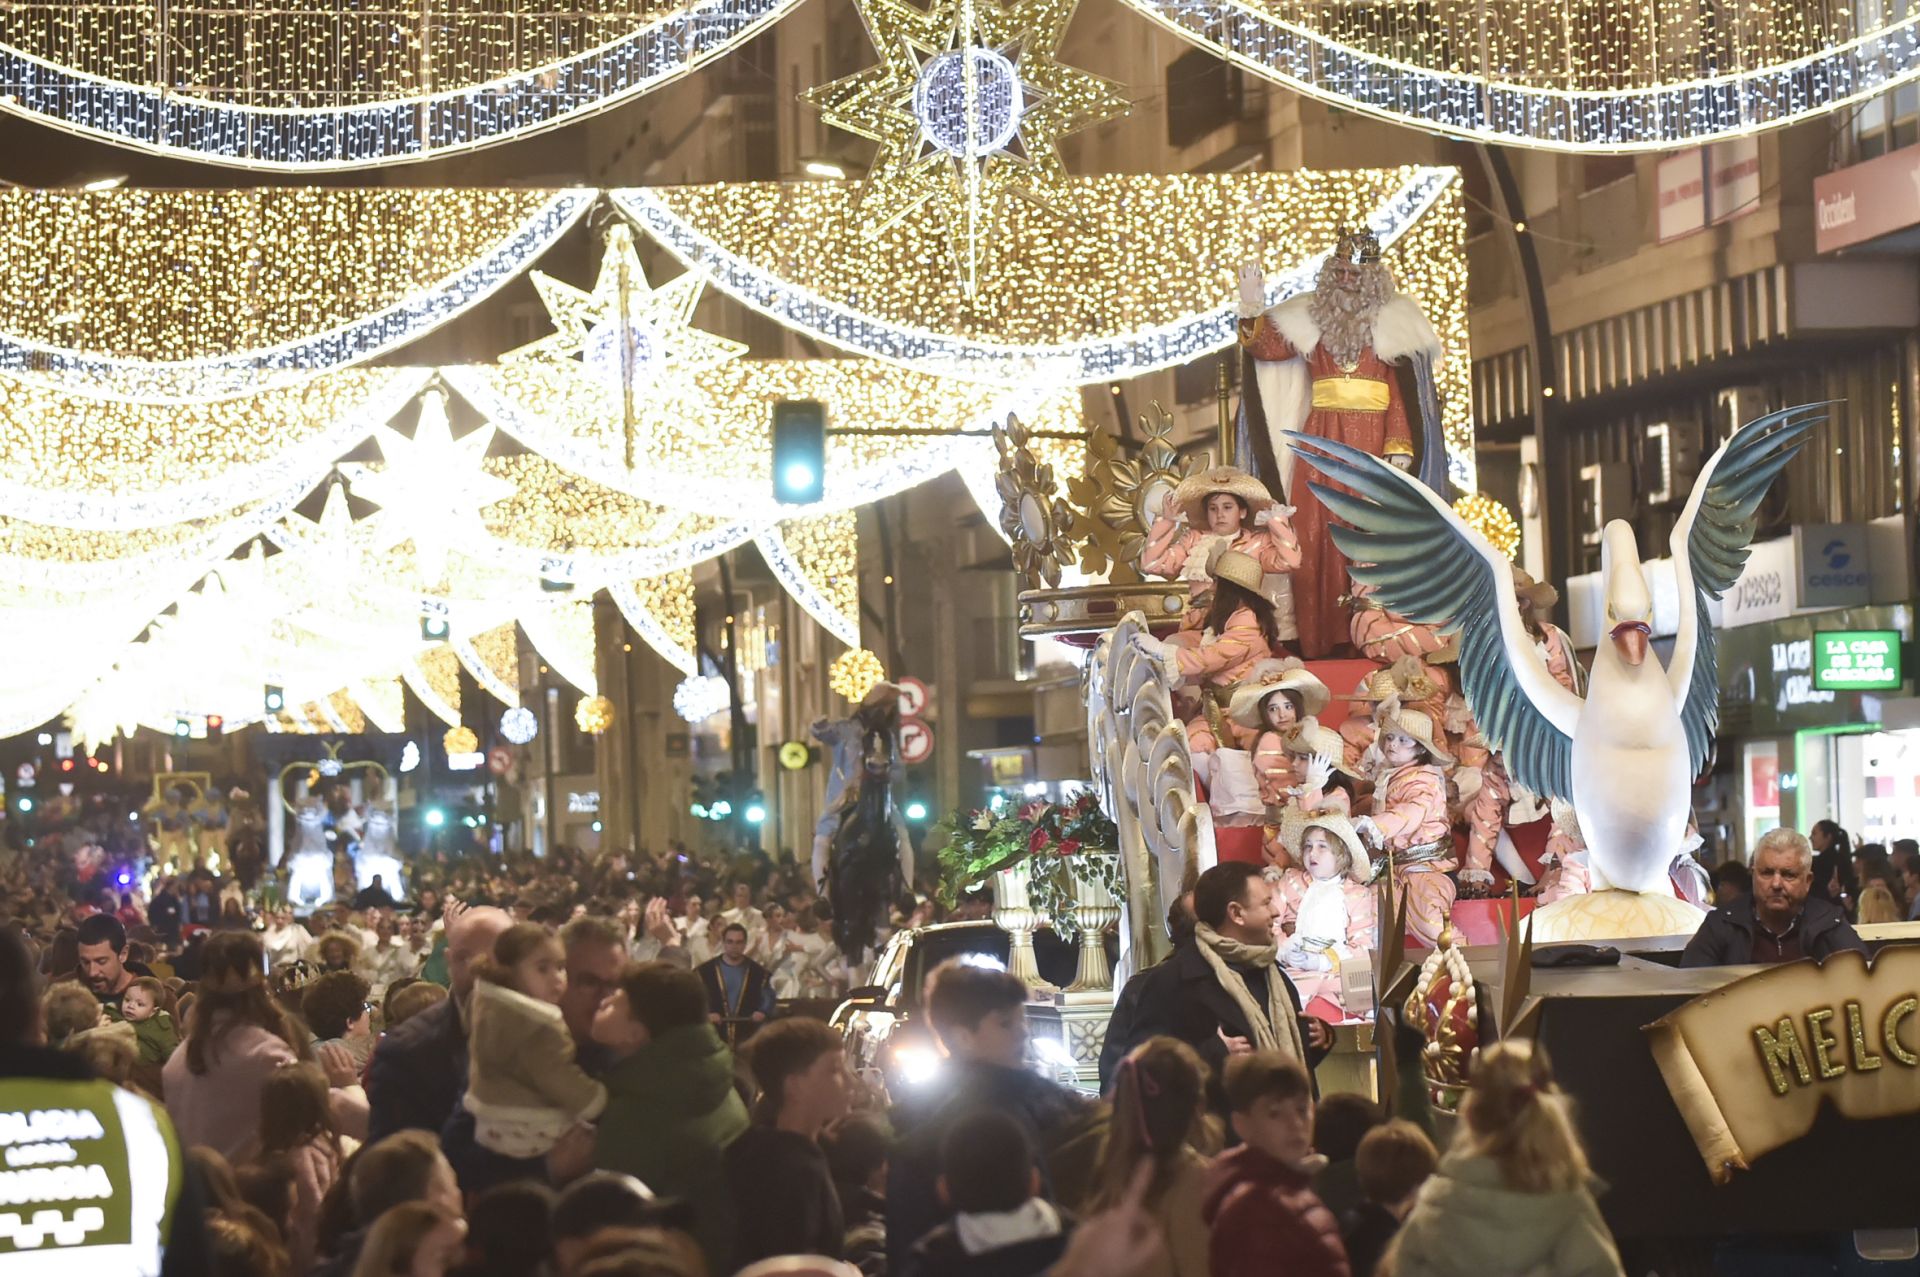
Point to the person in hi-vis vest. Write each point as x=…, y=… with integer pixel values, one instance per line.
x=91, y=1175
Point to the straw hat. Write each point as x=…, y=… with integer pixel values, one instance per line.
x=1377, y=686
x=1241, y=569
x=1541, y=595
x=1191, y=496
x=1391, y=715
x=1317, y=738
x=1416, y=680
x=1264, y=679
x=1294, y=824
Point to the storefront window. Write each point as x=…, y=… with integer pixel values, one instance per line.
x=1761, y=772
x=1889, y=781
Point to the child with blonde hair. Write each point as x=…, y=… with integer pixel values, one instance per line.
x=525, y=1089
x=1512, y=1194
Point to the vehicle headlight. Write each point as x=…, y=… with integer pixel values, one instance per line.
x=917, y=1064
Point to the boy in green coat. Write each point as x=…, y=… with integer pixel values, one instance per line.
x=671, y=1104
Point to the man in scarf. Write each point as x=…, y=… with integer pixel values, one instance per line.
x=1222, y=991
x=1325, y=363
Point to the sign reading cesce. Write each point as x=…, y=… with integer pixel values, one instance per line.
x=1749, y=1065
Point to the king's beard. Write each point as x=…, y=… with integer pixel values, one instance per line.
x=1345, y=313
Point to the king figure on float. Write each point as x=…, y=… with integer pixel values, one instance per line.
x=1327, y=364
x=1627, y=753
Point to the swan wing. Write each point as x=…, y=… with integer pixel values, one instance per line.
x=1431, y=568
x=1710, y=544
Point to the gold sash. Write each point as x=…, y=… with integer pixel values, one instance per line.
x=1350, y=394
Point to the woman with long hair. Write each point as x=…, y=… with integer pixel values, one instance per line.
x=1834, y=880
x=1512, y=1193
x=1240, y=630
x=237, y=1035
x=1160, y=1116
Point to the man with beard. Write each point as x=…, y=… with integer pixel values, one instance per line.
x=103, y=965
x=1323, y=362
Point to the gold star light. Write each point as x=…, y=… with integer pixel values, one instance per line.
x=968, y=104
x=431, y=489
x=644, y=345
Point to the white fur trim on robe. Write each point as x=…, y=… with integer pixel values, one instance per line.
x=1286, y=389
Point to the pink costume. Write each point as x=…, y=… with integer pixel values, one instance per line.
x=1487, y=810
x=1410, y=811
x=1217, y=661
x=1278, y=768
x=1385, y=636
x=1335, y=910
x=1170, y=544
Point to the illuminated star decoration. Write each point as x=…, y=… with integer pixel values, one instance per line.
x=969, y=103
x=644, y=346
x=431, y=489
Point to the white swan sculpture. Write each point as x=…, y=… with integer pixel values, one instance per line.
x=1625, y=756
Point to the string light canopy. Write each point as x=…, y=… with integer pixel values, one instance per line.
x=968, y=105
x=817, y=560
x=1605, y=75
x=174, y=296
x=305, y=84
x=661, y=612
x=1142, y=279
x=109, y=465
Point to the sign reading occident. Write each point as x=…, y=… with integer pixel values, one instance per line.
x=1865, y=201
x=1749, y=1065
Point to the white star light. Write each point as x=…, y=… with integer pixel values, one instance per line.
x=431, y=489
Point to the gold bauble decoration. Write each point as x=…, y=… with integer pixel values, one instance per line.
x=593, y=715
x=1491, y=520
x=460, y=740
x=854, y=672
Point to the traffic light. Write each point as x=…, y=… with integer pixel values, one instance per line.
x=274, y=700
x=799, y=451
x=215, y=725
x=433, y=628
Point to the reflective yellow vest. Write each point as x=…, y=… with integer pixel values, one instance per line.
x=89, y=1175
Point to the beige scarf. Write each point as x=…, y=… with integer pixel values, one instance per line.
x=1276, y=1028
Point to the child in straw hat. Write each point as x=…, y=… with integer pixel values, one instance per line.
x=1409, y=819
x=1327, y=912
x=1219, y=509
x=1275, y=702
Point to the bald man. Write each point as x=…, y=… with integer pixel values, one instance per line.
x=419, y=1071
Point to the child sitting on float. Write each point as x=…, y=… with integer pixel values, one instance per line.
x=1327, y=786
x=1327, y=912
x=1224, y=508
x=1275, y=702
x=1238, y=632
x=1408, y=817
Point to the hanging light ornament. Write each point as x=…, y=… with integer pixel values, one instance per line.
x=853, y=673
x=460, y=740
x=701, y=696
x=519, y=725
x=1491, y=520
x=593, y=715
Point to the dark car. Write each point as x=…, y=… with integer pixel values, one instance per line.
x=888, y=1043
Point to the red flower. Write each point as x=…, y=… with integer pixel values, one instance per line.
x=1031, y=812
x=1068, y=847
x=1037, y=842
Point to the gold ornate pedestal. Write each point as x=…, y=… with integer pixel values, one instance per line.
x=1088, y=611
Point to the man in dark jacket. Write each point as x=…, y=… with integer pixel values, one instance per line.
x=739, y=990
x=1184, y=998
x=1780, y=921
x=419, y=1071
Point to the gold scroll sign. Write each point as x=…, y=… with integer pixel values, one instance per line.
x=1749, y=1065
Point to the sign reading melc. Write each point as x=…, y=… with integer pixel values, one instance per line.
x=1750, y=1064
x=1856, y=660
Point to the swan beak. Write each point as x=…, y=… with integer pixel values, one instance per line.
x=1630, y=639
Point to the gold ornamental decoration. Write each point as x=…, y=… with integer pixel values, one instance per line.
x=1032, y=518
